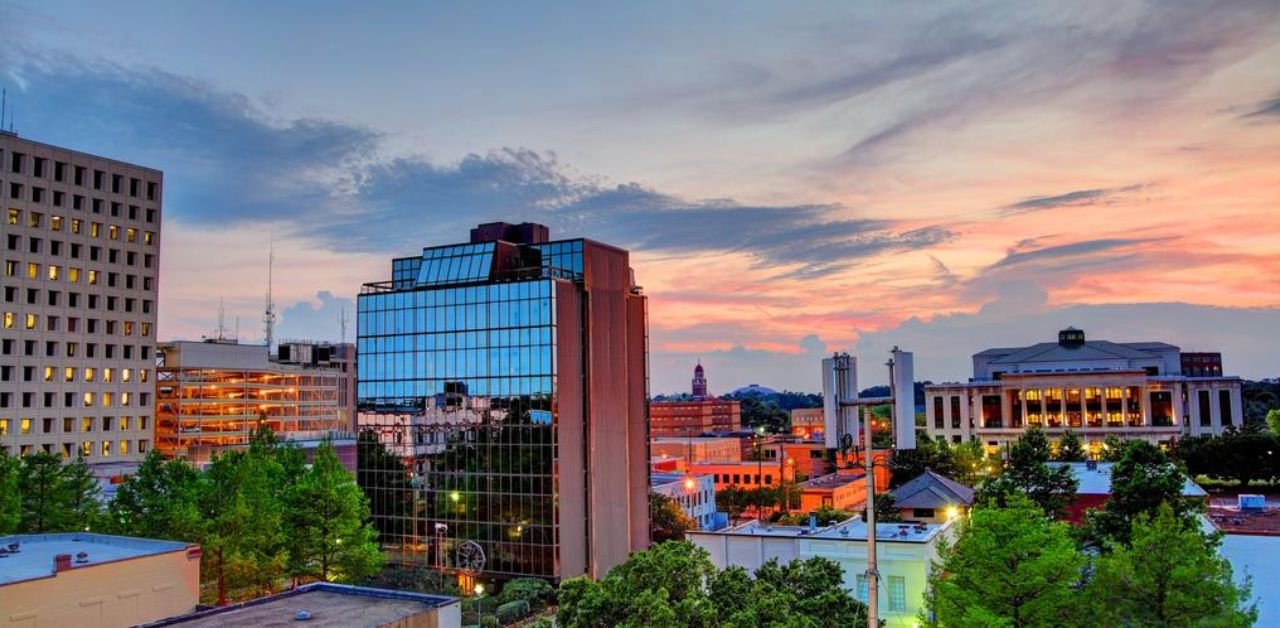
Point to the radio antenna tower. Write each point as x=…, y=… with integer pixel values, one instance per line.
x=269, y=316
x=221, y=332
x=342, y=323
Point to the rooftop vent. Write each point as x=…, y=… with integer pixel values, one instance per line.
x=302, y=615
x=15, y=547
x=82, y=557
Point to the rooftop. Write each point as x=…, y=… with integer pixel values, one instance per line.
x=932, y=490
x=833, y=480
x=328, y=605
x=848, y=530
x=662, y=479
x=36, y=553
x=1098, y=482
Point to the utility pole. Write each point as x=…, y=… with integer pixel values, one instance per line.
x=873, y=573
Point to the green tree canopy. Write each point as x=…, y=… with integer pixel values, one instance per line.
x=675, y=584
x=1169, y=575
x=1009, y=566
x=10, y=495
x=1141, y=481
x=327, y=524
x=1070, y=448
x=667, y=520
x=159, y=501
x=1027, y=472
x=57, y=497
x=907, y=464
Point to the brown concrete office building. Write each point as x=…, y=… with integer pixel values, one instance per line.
x=81, y=237
x=501, y=403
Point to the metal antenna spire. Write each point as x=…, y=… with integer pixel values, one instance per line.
x=342, y=323
x=269, y=316
x=221, y=332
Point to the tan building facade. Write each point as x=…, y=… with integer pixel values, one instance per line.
x=95, y=580
x=80, y=296
x=1093, y=388
x=696, y=450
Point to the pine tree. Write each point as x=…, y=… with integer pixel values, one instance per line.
x=327, y=523
x=1028, y=473
x=45, y=501
x=10, y=498
x=1070, y=448
x=158, y=501
x=84, y=496
x=1141, y=481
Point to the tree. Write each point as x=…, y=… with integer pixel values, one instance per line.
x=907, y=464
x=84, y=494
x=675, y=584
x=159, y=501
x=657, y=586
x=1113, y=448
x=733, y=500
x=1143, y=479
x=1070, y=448
x=1273, y=420
x=46, y=501
x=10, y=497
x=1028, y=473
x=886, y=510
x=1009, y=566
x=327, y=524
x=1169, y=575
x=667, y=520
x=242, y=524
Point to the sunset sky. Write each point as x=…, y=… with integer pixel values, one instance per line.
x=791, y=178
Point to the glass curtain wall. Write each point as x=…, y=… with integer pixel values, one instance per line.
x=457, y=402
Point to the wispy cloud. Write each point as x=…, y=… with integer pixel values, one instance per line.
x=1084, y=248
x=1076, y=198
x=1266, y=109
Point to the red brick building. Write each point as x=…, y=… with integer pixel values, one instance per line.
x=700, y=413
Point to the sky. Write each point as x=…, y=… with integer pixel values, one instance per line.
x=791, y=179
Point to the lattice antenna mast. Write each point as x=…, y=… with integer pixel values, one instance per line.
x=269, y=315
x=342, y=323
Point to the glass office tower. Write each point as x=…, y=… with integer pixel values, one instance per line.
x=501, y=404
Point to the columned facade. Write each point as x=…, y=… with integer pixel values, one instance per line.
x=1126, y=390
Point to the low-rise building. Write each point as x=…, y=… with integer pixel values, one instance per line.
x=212, y=395
x=1094, y=488
x=1095, y=388
x=90, y=580
x=696, y=450
x=842, y=491
x=745, y=474
x=323, y=604
x=932, y=498
x=695, y=493
x=905, y=554
x=808, y=423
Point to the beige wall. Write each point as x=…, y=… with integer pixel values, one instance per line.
x=120, y=593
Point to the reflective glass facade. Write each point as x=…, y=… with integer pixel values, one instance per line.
x=465, y=439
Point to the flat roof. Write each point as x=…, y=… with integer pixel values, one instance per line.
x=37, y=551
x=685, y=440
x=854, y=529
x=833, y=480
x=1256, y=557
x=1098, y=482
x=662, y=479
x=329, y=605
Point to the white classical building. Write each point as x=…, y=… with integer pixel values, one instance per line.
x=905, y=553
x=1096, y=388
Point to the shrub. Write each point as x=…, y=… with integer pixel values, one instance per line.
x=537, y=592
x=512, y=612
x=489, y=621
